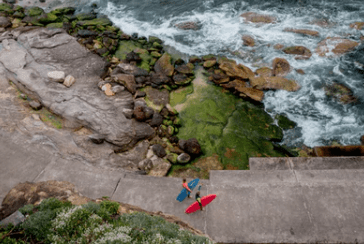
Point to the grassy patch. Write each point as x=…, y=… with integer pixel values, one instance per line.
x=50, y=118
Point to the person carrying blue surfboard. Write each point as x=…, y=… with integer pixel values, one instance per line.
x=185, y=185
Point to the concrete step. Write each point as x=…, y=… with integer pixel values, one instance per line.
x=242, y=178
x=307, y=163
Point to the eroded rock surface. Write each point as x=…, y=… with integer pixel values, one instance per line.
x=27, y=60
x=332, y=46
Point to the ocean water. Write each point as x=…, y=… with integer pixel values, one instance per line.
x=320, y=119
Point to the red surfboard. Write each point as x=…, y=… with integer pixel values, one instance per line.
x=204, y=201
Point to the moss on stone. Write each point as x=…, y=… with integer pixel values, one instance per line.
x=179, y=96
x=226, y=125
x=285, y=123
x=126, y=47
x=4, y=7
x=63, y=11
x=35, y=11
x=96, y=22
x=47, y=18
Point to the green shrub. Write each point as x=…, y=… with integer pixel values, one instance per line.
x=39, y=223
x=52, y=204
x=27, y=209
x=111, y=207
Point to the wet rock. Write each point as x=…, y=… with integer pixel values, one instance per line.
x=194, y=59
x=300, y=71
x=248, y=41
x=157, y=120
x=219, y=78
x=149, y=112
x=182, y=144
x=209, y=57
x=274, y=83
x=132, y=56
x=145, y=165
x=35, y=105
x=340, y=46
x=303, y=32
x=4, y=22
x=86, y=33
x=301, y=52
x=160, y=167
x=96, y=138
x=182, y=79
x=246, y=92
x=322, y=23
x=284, y=122
x=139, y=113
x=157, y=99
x=183, y=158
x=190, y=25
x=159, y=78
x=57, y=76
x=192, y=146
x=209, y=63
x=337, y=151
x=278, y=46
x=127, y=80
x=236, y=71
x=264, y=72
x=159, y=150
x=362, y=140
x=340, y=93
x=139, y=94
x=186, y=68
x=357, y=25
x=258, y=18
x=164, y=65
x=129, y=69
x=281, y=67
x=69, y=81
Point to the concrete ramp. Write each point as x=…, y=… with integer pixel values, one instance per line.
x=289, y=207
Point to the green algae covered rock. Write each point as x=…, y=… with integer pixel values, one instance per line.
x=47, y=18
x=96, y=22
x=179, y=96
x=55, y=25
x=5, y=7
x=35, y=11
x=285, y=123
x=126, y=47
x=164, y=65
x=63, y=11
x=226, y=125
x=146, y=58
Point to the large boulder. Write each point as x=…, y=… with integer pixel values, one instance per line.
x=357, y=25
x=160, y=167
x=301, y=52
x=189, y=25
x=248, y=40
x=303, y=32
x=36, y=52
x=340, y=93
x=264, y=71
x=336, y=45
x=236, y=70
x=281, y=67
x=274, y=83
x=258, y=18
x=164, y=65
x=244, y=91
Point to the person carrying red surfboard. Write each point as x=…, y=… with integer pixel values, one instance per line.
x=185, y=185
x=198, y=197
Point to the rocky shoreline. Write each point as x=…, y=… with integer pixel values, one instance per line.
x=125, y=97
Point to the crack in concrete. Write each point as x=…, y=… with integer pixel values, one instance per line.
x=116, y=187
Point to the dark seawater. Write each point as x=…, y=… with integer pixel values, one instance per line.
x=320, y=119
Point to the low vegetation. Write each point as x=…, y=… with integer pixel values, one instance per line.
x=59, y=222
